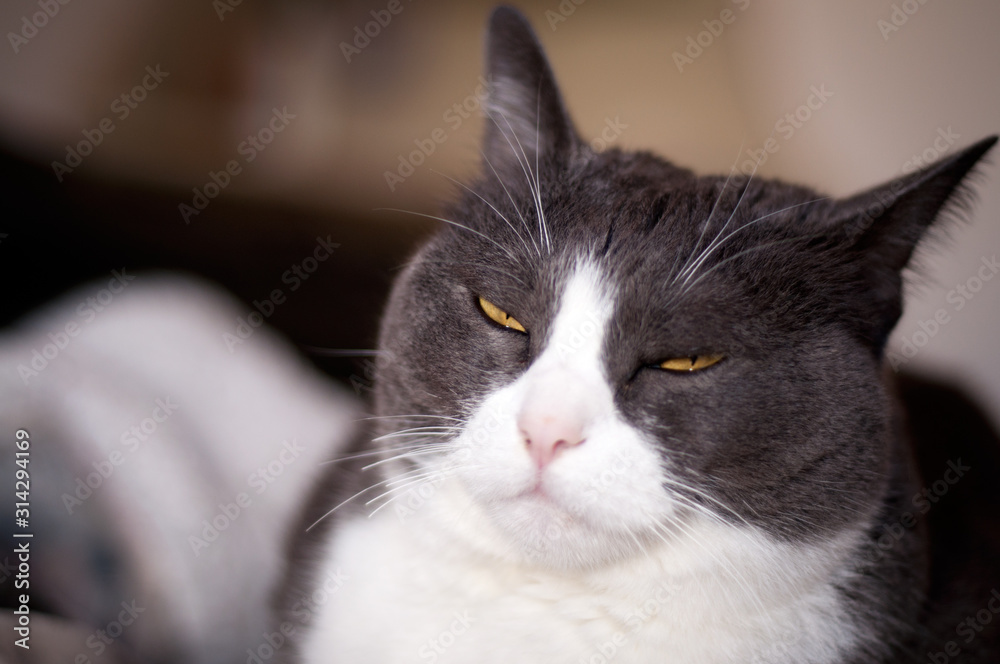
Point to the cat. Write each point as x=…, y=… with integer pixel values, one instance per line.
x=628, y=413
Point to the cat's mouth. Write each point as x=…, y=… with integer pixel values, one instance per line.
x=537, y=492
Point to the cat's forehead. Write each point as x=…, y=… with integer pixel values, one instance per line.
x=637, y=196
x=643, y=219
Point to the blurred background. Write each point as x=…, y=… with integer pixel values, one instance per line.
x=223, y=137
x=698, y=82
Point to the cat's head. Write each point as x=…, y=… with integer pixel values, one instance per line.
x=601, y=348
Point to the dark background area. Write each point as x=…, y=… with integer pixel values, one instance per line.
x=60, y=236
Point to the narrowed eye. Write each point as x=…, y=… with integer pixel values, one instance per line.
x=499, y=316
x=692, y=363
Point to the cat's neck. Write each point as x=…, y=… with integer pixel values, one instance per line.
x=755, y=595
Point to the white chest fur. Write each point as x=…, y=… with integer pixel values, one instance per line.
x=715, y=594
x=575, y=554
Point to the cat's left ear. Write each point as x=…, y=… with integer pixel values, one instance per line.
x=883, y=226
x=526, y=121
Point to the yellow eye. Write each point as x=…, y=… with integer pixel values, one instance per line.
x=693, y=363
x=498, y=315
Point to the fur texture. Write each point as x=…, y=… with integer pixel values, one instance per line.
x=731, y=514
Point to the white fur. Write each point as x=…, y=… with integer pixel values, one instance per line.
x=501, y=562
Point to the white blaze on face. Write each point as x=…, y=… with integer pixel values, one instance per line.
x=551, y=458
x=561, y=527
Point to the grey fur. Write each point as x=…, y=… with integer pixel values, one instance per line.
x=796, y=431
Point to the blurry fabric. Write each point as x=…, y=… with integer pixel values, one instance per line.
x=167, y=463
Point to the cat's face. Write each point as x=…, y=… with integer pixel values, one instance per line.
x=611, y=348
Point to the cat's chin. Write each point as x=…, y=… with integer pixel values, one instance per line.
x=534, y=527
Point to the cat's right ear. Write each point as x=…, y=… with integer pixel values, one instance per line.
x=526, y=121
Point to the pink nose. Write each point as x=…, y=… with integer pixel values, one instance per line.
x=547, y=435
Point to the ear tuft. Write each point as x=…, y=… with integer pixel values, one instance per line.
x=525, y=115
x=884, y=225
x=892, y=218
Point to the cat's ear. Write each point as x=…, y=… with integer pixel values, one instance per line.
x=526, y=121
x=883, y=226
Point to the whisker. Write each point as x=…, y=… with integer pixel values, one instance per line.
x=522, y=159
x=538, y=181
x=362, y=455
x=455, y=224
x=356, y=495
x=498, y=213
x=426, y=450
x=711, y=213
x=524, y=221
